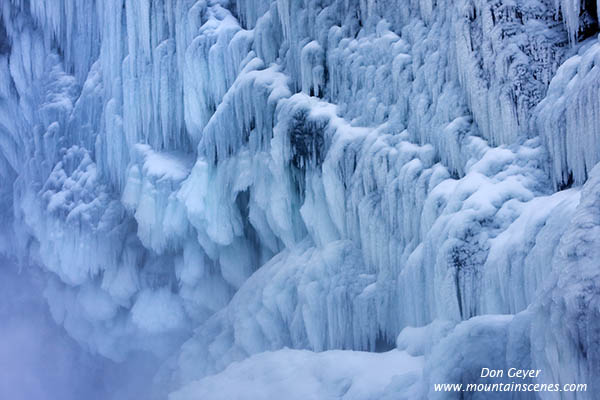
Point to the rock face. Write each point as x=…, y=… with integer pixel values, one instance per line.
x=208, y=180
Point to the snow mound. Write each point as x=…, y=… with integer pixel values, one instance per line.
x=301, y=374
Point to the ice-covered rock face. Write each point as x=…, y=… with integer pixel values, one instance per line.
x=570, y=299
x=250, y=175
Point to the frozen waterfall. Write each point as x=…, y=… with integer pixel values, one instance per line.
x=333, y=199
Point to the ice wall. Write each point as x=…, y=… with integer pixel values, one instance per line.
x=245, y=176
x=570, y=299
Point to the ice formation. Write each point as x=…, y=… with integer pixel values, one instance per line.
x=232, y=184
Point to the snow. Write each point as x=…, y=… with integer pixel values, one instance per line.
x=301, y=374
x=215, y=181
x=481, y=342
x=419, y=341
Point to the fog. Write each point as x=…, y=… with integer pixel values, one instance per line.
x=39, y=361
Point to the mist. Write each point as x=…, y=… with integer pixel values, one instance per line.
x=38, y=360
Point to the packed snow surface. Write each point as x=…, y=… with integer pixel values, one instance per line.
x=301, y=374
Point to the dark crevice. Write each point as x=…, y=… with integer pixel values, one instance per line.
x=383, y=343
x=4, y=40
x=567, y=184
x=588, y=20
